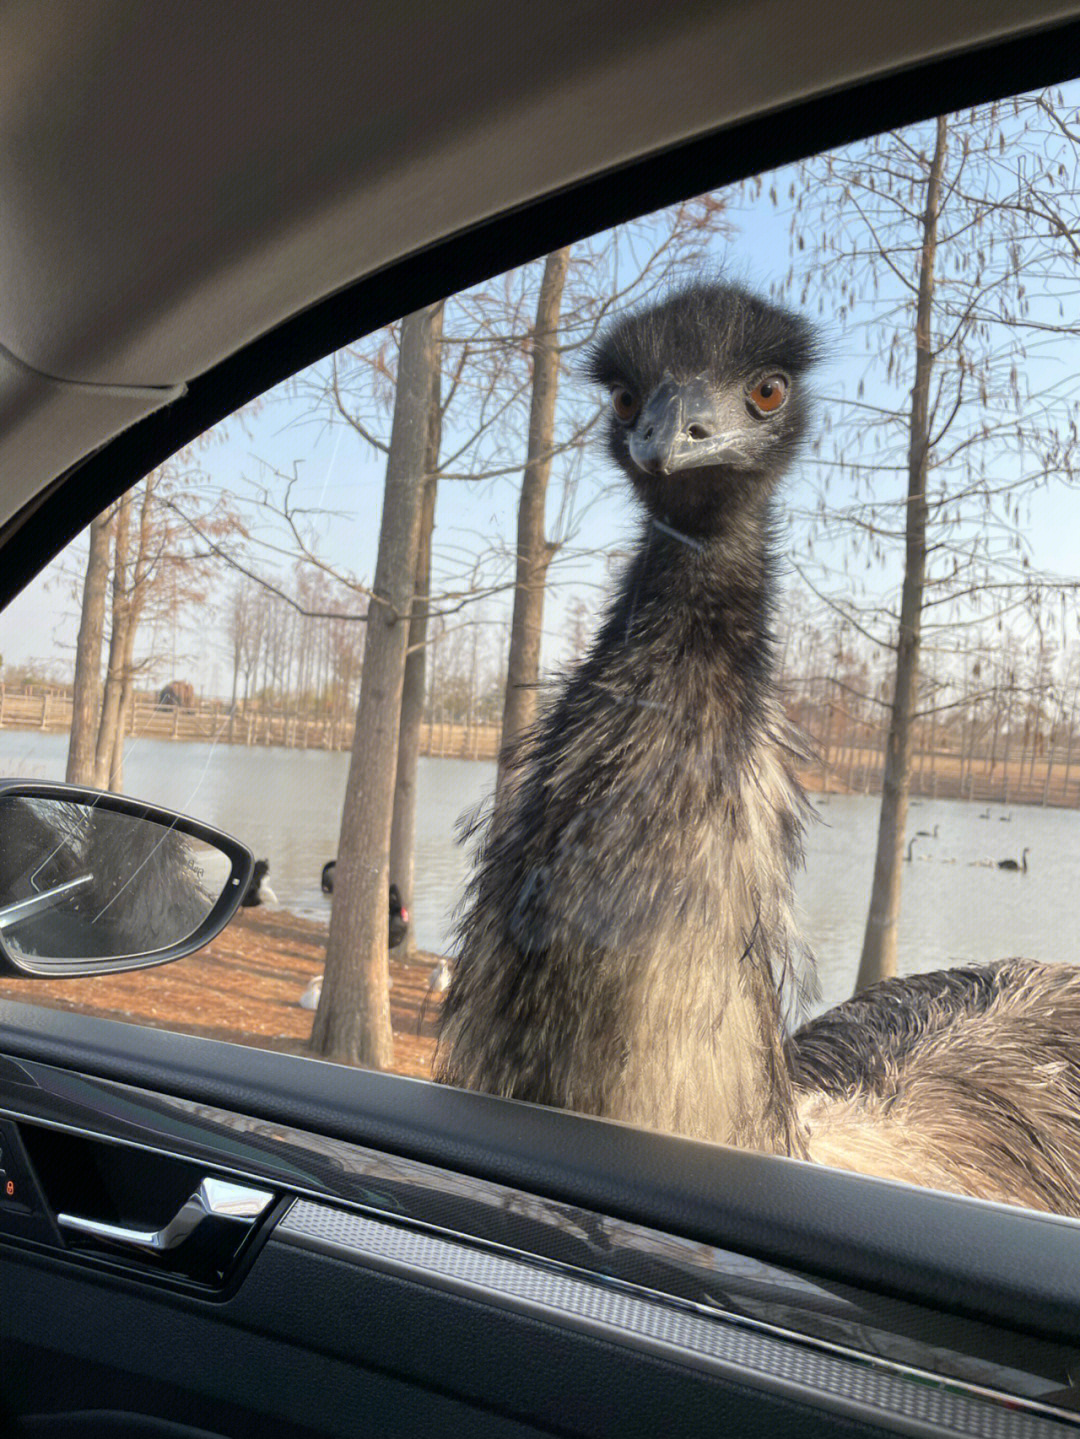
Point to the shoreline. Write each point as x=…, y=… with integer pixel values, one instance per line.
x=1053, y=782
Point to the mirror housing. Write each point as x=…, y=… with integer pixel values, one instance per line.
x=94, y=883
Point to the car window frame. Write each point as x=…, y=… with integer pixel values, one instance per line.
x=976, y=1258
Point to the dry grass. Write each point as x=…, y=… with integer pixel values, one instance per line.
x=243, y=988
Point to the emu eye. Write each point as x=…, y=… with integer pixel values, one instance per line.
x=768, y=394
x=625, y=404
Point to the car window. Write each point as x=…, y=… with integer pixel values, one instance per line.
x=771, y=493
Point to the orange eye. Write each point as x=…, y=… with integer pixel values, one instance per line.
x=625, y=404
x=768, y=394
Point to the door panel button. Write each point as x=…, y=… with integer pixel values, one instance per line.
x=23, y=1214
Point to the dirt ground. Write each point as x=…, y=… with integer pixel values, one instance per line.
x=244, y=988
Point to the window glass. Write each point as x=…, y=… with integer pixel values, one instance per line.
x=795, y=458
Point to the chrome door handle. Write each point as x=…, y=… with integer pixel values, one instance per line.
x=215, y=1199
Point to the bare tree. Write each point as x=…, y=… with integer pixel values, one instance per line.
x=86, y=692
x=120, y=617
x=352, y=1023
x=913, y=236
x=137, y=598
x=414, y=687
x=534, y=550
x=878, y=959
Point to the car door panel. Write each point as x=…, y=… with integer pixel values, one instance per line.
x=997, y=1263
x=385, y=1292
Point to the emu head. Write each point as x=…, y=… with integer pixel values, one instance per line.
x=707, y=400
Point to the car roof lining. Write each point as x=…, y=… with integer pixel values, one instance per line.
x=179, y=180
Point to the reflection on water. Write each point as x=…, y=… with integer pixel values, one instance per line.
x=286, y=805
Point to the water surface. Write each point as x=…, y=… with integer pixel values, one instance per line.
x=286, y=805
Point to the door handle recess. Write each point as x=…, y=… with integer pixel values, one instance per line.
x=214, y=1200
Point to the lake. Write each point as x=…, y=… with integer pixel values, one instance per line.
x=286, y=805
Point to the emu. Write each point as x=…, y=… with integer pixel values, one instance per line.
x=628, y=946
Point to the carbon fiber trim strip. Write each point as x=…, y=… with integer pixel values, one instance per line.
x=910, y=1402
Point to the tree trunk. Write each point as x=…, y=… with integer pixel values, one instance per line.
x=403, y=828
x=352, y=1023
x=992, y=761
x=232, y=701
x=86, y=692
x=1069, y=735
x=878, y=959
x=127, y=697
x=136, y=602
x=534, y=554
x=1008, y=739
x=1049, y=766
x=114, y=679
x=123, y=723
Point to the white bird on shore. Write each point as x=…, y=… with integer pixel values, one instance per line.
x=312, y=994
x=438, y=984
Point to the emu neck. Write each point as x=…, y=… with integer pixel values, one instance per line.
x=631, y=915
x=702, y=1011
x=714, y=587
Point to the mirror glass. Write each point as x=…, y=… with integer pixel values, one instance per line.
x=83, y=883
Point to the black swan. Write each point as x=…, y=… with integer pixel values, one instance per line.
x=399, y=915
x=258, y=891
x=1021, y=864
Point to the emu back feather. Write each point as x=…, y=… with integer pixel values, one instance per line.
x=965, y=1079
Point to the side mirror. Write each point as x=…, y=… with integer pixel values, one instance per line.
x=92, y=883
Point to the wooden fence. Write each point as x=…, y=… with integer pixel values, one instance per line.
x=210, y=723
x=1052, y=778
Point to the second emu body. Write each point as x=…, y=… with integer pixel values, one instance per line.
x=629, y=947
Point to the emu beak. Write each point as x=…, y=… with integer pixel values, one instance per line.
x=681, y=428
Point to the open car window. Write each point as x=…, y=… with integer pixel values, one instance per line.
x=771, y=492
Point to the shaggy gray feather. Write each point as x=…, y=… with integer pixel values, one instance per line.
x=628, y=945
x=629, y=923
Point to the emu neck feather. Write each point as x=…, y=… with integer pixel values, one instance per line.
x=630, y=916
